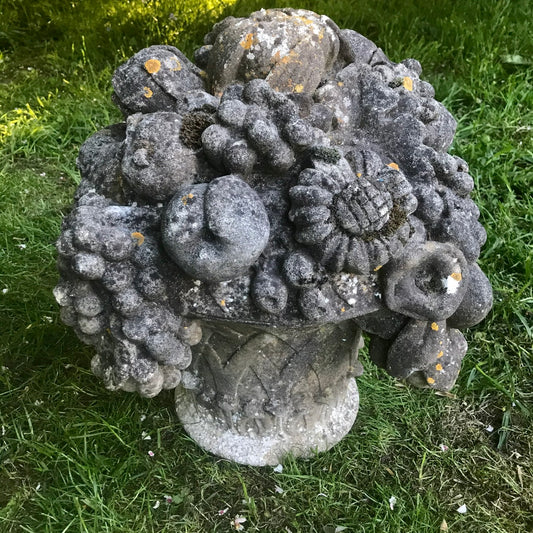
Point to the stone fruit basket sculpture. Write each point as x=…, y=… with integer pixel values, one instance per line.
x=253, y=214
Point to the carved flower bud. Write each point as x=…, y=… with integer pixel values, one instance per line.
x=428, y=282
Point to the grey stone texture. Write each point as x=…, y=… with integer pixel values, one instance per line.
x=235, y=233
x=253, y=393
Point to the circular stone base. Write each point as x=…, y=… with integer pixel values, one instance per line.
x=269, y=448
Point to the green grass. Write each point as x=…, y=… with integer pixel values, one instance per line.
x=73, y=456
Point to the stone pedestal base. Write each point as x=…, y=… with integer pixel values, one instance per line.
x=255, y=394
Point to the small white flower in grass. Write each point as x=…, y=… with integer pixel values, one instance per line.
x=156, y=504
x=222, y=512
x=38, y=487
x=237, y=523
x=443, y=447
x=142, y=418
x=168, y=499
x=462, y=509
x=42, y=174
x=278, y=489
x=392, y=502
x=48, y=319
x=489, y=429
x=151, y=453
x=21, y=246
x=5, y=291
x=278, y=469
x=145, y=436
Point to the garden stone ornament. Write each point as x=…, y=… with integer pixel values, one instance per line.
x=256, y=211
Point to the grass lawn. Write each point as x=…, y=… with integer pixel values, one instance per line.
x=75, y=457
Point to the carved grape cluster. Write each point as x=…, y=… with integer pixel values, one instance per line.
x=258, y=129
x=113, y=292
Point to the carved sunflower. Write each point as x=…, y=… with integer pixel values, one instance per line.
x=353, y=211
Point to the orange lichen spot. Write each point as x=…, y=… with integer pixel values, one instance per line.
x=203, y=73
x=152, y=66
x=190, y=195
x=394, y=166
x=139, y=237
x=184, y=200
x=223, y=303
x=343, y=309
x=292, y=56
x=434, y=326
x=407, y=83
x=248, y=41
x=177, y=66
x=359, y=174
x=340, y=83
x=440, y=354
x=298, y=88
x=440, y=343
x=276, y=58
x=377, y=268
x=439, y=367
x=321, y=35
x=148, y=92
x=431, y=381
x=305, y=20
x=457, y=276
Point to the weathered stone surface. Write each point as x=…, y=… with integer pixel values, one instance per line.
x=253, y=394
x=428, y=282
x=156, y=162
x=292, y=49
x=234, y=235
x=427, y=354
x=157, y=78
x=216, y=231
